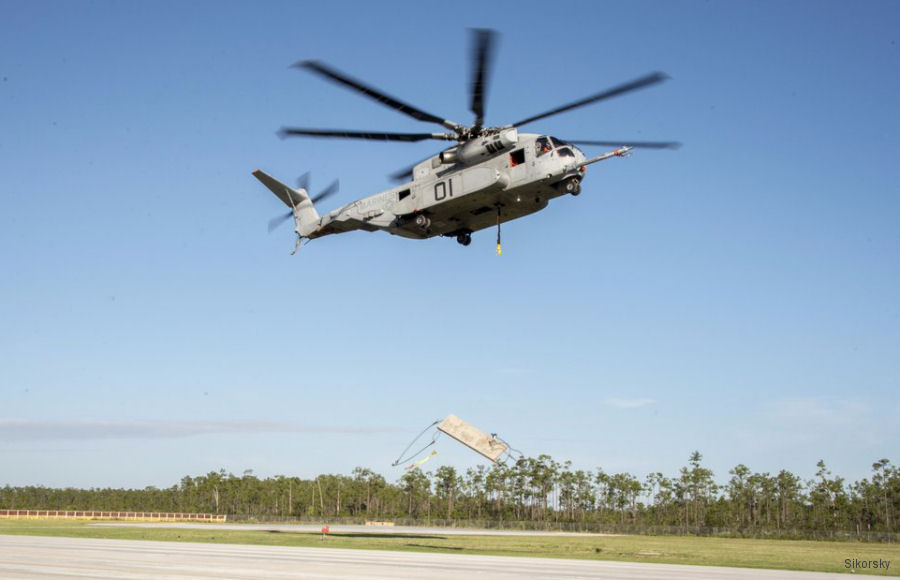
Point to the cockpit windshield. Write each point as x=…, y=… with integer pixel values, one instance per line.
x=542, y=145
x=558, y=142
x=565, y=152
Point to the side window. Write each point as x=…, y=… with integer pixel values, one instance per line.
x=517, y=157
x=541, y=146
x=403, y=195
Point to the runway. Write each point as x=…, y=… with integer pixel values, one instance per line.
x=44, y=558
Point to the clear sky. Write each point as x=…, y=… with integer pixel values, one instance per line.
x=738, y=296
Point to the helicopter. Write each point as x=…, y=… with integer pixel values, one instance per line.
x=489, y=176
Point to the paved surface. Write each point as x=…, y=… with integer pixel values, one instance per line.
x=342, y=529
x=25, y=557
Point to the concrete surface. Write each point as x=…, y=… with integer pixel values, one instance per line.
x=33, y=557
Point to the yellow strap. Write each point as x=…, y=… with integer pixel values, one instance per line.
x=421, y=461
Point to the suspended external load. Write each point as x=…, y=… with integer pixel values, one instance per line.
x=488, y=445
x=473, y=437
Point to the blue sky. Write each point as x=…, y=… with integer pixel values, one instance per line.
x=736, y=296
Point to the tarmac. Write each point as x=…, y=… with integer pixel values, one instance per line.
x=43, y=558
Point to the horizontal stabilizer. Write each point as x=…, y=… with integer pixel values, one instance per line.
x=291, y=197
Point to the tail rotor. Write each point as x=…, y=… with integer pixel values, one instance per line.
x=306, y=218
x=303, y=185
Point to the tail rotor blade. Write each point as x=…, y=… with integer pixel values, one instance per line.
x=275, y=222
x=328, y=191
x=303, y=181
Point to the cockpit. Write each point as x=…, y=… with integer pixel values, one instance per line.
x=544, y=145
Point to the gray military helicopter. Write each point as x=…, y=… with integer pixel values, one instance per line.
x=489, y=176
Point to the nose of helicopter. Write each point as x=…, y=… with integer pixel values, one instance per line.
x=580, y=157
x=579, y=154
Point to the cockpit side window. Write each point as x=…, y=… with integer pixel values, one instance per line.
x=542, y=145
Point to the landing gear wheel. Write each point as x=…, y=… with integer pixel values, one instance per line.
x=572, y=186
x=464, y=239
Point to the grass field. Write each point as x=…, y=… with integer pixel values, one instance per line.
x=747, y=553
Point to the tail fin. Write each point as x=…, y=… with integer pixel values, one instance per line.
x=305, y=214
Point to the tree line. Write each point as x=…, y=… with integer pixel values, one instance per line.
x=532, y=492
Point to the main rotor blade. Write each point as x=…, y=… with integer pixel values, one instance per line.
x=379, y=96
x=370, y=135
x=328, y=191
x=404, y=174
x=482, y=45
x=278, y=220
x=634, y=85
x=638, y=144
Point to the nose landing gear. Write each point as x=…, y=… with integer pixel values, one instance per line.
x=571, y=185
x=464, y=238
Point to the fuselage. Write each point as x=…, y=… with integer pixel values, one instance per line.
x=477, y=189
